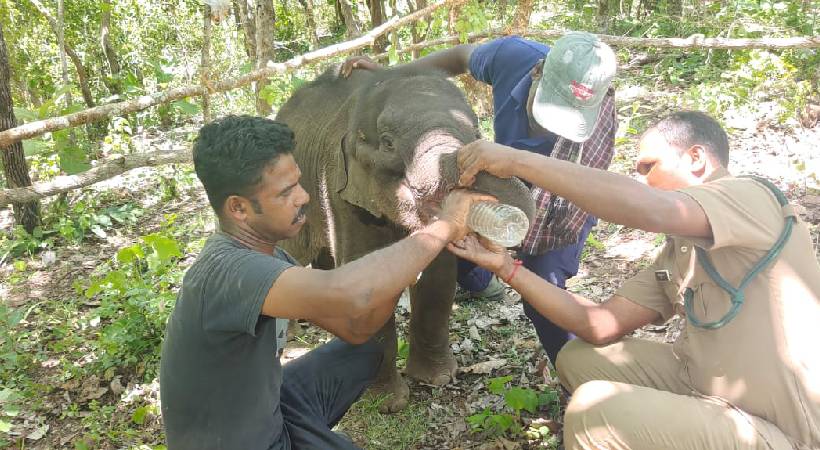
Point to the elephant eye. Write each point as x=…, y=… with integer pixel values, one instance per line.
x=386, y=142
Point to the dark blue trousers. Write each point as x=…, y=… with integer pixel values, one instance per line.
x=318, y=389
x=555, y=266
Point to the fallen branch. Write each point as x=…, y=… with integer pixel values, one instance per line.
x=695, y=41
x=39, y=127
x=102, y=172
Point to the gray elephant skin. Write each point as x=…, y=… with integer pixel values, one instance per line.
x=377, y=153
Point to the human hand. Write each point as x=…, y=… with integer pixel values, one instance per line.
x=487, y=156
x=456, y=207
x=481, y=251
x=358, y=62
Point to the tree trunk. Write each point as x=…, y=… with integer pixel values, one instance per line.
x=502, y=9
x=377, y=18
x=112, y=82
x=82, y=75
x=351, y=24
x=521, y=19
x=453, y=14
x=63, y=64
x=419, y=36
x=205, y=62
x=61, y=44
x=675, y=8
x=248, y=26
x=15, y=168
x=265, y=21
x=602, y=16
x=625, y=7
x=394, y=35
x=237, y=16
x=646, y=7
x=307, y=5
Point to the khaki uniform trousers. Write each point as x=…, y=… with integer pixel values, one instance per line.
x=631, y=395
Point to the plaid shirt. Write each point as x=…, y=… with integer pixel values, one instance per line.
x=558, y=222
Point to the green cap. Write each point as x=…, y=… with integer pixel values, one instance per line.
x=576, y=76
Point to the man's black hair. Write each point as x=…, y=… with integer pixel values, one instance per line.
x=684, y=129
x=231, y=153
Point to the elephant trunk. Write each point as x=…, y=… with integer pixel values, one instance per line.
x=434, y=173
x=510, y=191
x=424, y=175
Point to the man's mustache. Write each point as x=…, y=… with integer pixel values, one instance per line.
x=299, y=215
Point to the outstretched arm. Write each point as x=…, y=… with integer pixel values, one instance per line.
x=593, y=322
x=612, y=197
x=355, y=300
x=454, y=61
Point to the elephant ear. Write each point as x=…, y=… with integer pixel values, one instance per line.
x=340, y=170
x=353, y=182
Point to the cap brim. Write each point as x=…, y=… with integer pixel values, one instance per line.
x=556, y=115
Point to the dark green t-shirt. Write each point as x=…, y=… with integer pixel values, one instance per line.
x=220, y=373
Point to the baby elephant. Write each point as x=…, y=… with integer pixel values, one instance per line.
x=377, y=151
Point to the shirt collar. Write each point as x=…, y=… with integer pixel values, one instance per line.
x=718, y=173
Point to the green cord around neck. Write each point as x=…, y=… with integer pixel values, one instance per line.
x=736, y=294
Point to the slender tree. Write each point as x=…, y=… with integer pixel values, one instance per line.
x=205, y=62
x=523, y=12
x=112, y=81
x=307, y=5
x=82, y=75
x=15, y=168
x=351, y=24
x=675, y=8
x=377, y=18
x=248, y=23
x=265, y=51
x=417, y=34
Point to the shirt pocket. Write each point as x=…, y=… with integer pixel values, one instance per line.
x=710, y=303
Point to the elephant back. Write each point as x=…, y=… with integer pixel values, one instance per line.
x=313, y=107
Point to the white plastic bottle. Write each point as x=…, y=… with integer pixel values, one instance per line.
x=503, y=224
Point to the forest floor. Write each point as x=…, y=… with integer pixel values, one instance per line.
x=57, y=404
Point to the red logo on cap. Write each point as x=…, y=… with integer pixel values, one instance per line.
x=580, y=91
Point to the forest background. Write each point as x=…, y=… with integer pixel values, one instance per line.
x=101, y=213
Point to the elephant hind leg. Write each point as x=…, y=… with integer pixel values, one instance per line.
x=389, y=386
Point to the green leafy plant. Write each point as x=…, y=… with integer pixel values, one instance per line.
x=9, y=408
x=517, y=400
x=135, y=300
x=402, y=352
x=472, y=18
x=22, y=242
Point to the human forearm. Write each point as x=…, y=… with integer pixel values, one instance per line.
x=454, y=61
x=375, y=281
x=597, y=323
x=612, y=197
x=574, y=313
x=571, y=312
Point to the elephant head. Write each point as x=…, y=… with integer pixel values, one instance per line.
x=403, y=130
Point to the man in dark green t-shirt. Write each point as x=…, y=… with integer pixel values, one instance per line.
x=222, y=385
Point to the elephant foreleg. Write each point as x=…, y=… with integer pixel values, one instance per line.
x=431, y=359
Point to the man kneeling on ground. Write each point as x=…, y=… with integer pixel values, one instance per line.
x=738, y=264
x=222, y=385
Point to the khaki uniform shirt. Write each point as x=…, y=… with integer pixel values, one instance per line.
x=766, y=361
